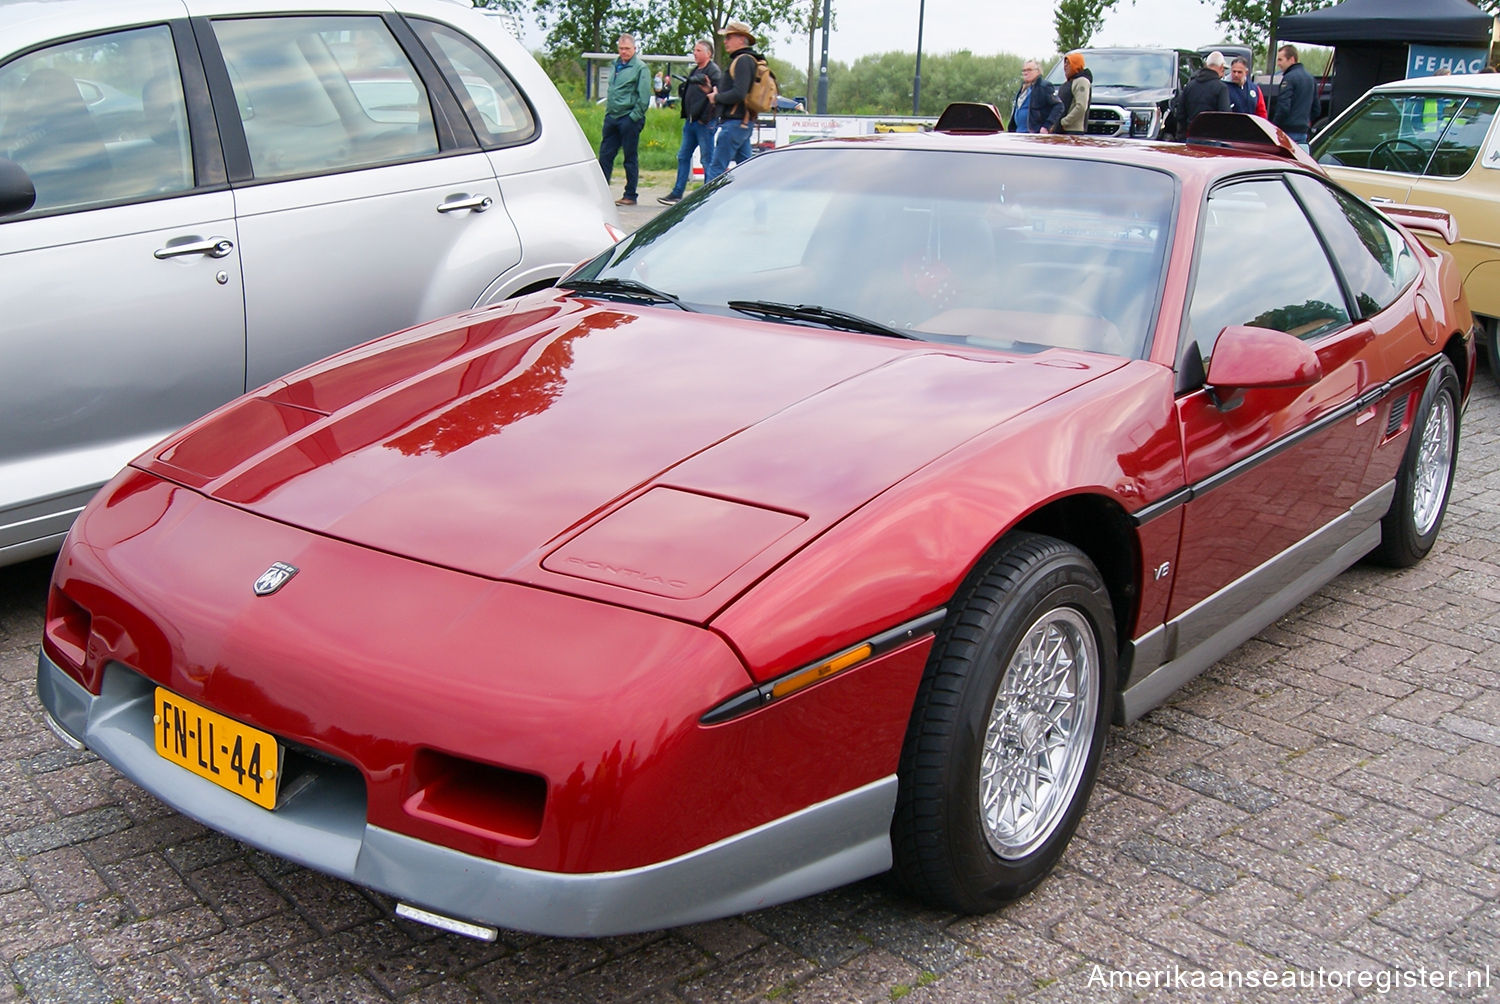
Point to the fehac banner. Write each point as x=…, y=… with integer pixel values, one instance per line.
x=1429, y=60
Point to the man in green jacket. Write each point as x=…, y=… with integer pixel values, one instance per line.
x=624, y=115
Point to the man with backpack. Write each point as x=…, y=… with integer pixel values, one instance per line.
x=699, y=116
x=735, y=99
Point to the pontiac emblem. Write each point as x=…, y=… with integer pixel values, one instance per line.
x=274, y=578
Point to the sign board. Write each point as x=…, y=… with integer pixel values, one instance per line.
x=796, y=128
x=1429, y=60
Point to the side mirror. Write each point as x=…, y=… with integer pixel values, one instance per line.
x=17, y=193
x=1247, y=357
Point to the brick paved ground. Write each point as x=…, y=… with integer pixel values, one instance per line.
x=1324, y=797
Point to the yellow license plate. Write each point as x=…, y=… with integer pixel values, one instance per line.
x=229, y=753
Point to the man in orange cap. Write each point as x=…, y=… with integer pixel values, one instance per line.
x=1075, y=94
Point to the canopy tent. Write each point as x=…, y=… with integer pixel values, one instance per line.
x=1372, y=38
x=1432, y=22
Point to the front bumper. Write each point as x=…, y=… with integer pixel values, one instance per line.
x=834, y=842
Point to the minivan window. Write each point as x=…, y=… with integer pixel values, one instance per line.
x=98, y=119
x=495, y=107
x=324, y=93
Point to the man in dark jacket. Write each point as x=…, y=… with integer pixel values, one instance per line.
x=736, y=124
x=1206, y=92
x=1036, y=107
x=624, y=116
x=699, y=117
x=1244, y=93
x=1294, y=101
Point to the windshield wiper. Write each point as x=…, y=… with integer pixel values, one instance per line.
x=630, y=289
x=819, y=315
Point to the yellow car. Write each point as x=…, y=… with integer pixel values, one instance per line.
x=1432, y=141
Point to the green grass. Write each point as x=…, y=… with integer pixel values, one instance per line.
x=660, y=138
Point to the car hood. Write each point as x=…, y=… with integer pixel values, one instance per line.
x=651, y=457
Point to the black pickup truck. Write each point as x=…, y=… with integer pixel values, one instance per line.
x=1133, y=88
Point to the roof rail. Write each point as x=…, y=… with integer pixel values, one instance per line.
x=1239, y=131
x=970, y=117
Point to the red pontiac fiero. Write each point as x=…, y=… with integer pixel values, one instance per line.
x=818, y=529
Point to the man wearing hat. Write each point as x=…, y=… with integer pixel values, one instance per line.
x=736, y=124
x=624, y=116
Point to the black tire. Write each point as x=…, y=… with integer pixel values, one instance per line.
x=947, y=852
x=1425, y=480
x=1490, y=343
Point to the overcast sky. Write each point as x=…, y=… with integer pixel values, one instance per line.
x=1023, y=27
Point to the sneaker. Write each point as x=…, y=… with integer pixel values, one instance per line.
x=625, y=200
x=669, y=200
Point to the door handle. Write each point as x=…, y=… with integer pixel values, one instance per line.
x=478, y=203
x=214, y=247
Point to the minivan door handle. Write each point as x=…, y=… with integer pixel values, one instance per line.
x=214, y=247
x=478, y=203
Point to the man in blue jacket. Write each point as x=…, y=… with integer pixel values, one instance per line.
x=624, y=116
x=1294, y=101
x=1036, y=107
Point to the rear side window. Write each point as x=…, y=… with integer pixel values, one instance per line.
x=320, y=94
x=1261, y=264
x=494, y=105
x=98, y=120
x=1463, y=139
x=1372, y=255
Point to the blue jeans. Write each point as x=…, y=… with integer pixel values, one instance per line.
x=623, y=133
x=695, y=136
x=732, y=143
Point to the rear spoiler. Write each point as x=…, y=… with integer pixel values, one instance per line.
x=969, y=117
x=1423, y=219
x=1238, y=131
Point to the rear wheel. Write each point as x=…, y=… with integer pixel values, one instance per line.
x=1425, y=479
x=1007, y=729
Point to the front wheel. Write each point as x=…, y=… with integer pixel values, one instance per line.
x=1425, y=479
x=1007, y=729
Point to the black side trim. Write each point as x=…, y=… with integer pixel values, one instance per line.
x=880, y=644
x=1186, y=494
x=203, y=129
x=226, y=112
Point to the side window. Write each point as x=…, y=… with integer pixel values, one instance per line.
x=324, y=93
x=1373, y=256
x=1463, y=139
x=495, y=107
x=98, y=119
x=1387, y=132
x=1260, y=263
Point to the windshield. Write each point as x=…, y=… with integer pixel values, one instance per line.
x=1125, y=69
x=1008, y=251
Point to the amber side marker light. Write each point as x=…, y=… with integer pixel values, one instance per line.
x=806, y=676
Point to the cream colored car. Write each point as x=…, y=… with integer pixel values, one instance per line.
x=1432, y=141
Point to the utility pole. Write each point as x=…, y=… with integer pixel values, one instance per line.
x=916, y=84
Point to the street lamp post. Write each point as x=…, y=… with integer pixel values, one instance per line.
x=823, y=67
x=916, y=84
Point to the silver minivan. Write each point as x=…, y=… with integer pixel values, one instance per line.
x=225, y=190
